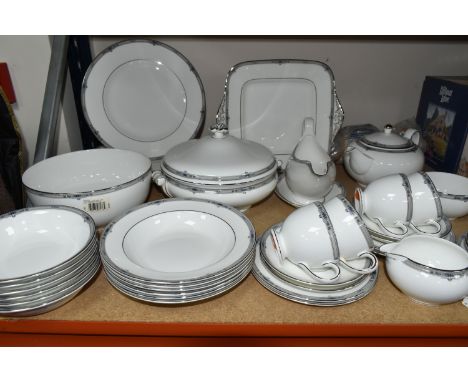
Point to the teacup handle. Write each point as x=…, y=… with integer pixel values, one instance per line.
x=397, y=224
x=326, y=265
x=277, y=246
x=429, y=222
x=363, y=271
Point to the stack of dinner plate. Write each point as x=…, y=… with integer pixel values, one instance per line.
x=48, y=255
x=178, y=251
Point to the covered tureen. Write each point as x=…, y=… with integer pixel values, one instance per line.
x=219, y=167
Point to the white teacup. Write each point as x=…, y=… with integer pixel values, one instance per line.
x=426, y=206
x=354, y=241
x=386, y=201
x=304, y=239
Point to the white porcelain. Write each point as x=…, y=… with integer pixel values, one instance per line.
x=310, y=172
x=426, y=206
x=176, y=239
x=283, y=191
x=144, y=96
x=376, y=231
x=38, y=239
x=386, y=201
x=219, y=167
x=354, y=241
x=308, y=296
x=304, y=239
x=101, y=182
x=453, y=192
x=241, y=197
x=291, y=272
x=380, y=154
x=267, y=101
x=428, y=269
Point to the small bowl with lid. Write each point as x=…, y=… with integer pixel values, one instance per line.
x=376, y=155
x=219, y=167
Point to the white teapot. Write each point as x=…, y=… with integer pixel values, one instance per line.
x=310, y=172
x=383, y=153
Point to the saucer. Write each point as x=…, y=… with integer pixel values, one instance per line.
x=284, y=193
x=377, y=233
x=310, y=296
x=293, y=274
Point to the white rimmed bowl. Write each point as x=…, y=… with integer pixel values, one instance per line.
x=101, y=182
x=37, y=240
x=453, y=193
x=428, y=269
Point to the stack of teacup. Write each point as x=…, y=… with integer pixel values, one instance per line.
x=320, y=255
x=399, y=205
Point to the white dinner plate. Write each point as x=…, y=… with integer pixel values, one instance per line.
x=267, y=102
x=143, y=96
x=178, y=239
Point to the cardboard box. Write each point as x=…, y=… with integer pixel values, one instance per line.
x=443, y=117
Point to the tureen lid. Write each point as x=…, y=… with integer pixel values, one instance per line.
x=219, y=157
x=387, y=140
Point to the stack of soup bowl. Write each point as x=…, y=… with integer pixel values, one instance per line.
x=48, y=255
x=400, y=205
x=178, y=251
x=320, y=255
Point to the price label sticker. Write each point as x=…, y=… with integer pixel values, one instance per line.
x=95, y=205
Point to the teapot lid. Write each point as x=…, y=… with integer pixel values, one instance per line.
x=219, y=157
x=387, y=141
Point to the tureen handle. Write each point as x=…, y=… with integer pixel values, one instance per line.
x=218, y=130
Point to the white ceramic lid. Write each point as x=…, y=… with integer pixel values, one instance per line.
x=219, y=157
x=387, y=140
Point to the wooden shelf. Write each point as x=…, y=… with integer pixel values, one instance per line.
x=247, y=315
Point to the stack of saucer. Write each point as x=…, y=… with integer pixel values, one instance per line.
x=381, y=236
x=178, y=251
x=48, y=255
x=332, y=263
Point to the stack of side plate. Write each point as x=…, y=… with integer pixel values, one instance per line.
x=178, y=251
x=290, y=282
x=381, y=237
x=48, y=255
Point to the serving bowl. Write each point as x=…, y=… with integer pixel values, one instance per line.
x=453, y=192
x=427, y=268
x=102, y=182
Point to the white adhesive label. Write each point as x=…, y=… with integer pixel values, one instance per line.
x=95, y=205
